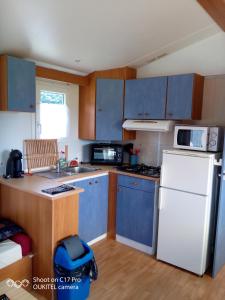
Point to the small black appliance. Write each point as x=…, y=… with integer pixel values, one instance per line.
x=14, y=165
x=106, y=154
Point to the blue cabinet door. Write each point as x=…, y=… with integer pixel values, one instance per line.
x=21, y=85
x=135, y=215
x=219, y=251
x=93, y=208
x=180, y=97
x=109, y=109
x=145, y=98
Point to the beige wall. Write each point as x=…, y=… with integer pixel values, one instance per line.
x=206, y=57
x=14, y=128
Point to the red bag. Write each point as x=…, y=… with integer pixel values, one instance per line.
x=24, y=241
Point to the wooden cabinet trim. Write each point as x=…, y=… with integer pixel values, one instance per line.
x=198, y=88
x=3, y=83
x=19, y=270
x=87, y=101
x=216, y=9
x=112, y=206
x=87, y=110
x=53, y=74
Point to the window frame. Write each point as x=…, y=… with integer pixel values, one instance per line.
x=51, y=86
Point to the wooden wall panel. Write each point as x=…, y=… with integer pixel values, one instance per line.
x=118, y=73
x=61, y=76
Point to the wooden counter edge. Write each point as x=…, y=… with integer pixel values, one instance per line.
x=106, y=171
x=39, y=193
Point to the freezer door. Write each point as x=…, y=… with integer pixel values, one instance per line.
x=189, y=173
x=183, y=230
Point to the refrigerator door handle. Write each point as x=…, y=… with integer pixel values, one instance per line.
x=161, y=203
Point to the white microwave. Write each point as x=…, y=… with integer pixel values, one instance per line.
x=198, y=138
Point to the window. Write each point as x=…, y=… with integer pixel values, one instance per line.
x=52, y=113
x=52, y=97
x=57, y=114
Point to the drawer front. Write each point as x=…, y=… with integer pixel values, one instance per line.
x=85, y=183
x=136, y=183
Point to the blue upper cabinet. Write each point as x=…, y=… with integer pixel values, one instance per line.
x=145, y=98
x=93, y=207
x=184, y=97
x=109, y=109
x=17, y=84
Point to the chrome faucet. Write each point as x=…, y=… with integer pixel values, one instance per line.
x=58, y=167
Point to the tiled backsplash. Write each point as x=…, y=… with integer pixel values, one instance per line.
x=151, y=145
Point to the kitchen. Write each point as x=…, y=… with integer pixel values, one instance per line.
x=90, y=121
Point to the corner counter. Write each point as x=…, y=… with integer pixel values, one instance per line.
x=34, y=185
x=47, y=219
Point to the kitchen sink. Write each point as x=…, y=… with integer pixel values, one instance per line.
x=78, y=170
x=68, y=171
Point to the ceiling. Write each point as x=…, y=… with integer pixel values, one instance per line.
x=102, y=34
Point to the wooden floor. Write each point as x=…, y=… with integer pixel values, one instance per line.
x=125, y=273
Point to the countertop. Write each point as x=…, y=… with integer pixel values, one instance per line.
x=34, y=184
x=113, y=169
x=104, y=169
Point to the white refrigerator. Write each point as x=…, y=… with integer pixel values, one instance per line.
x=186, y=209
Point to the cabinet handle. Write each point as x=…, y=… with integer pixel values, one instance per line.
x=99, y=109
x=31, y=106
x=96, y=181
x=146, y=114
x=169, y=114
x=140, y=114
x=90, y=183
x=134, y=183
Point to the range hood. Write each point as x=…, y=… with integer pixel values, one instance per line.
x=149, y=125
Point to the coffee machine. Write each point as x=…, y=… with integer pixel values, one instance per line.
x=14, y=165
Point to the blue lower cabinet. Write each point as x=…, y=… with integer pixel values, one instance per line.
x=135, y=215
x=93, y=207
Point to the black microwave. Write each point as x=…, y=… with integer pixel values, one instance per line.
x=106, y=154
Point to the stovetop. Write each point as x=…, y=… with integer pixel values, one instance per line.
x=142, y=169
